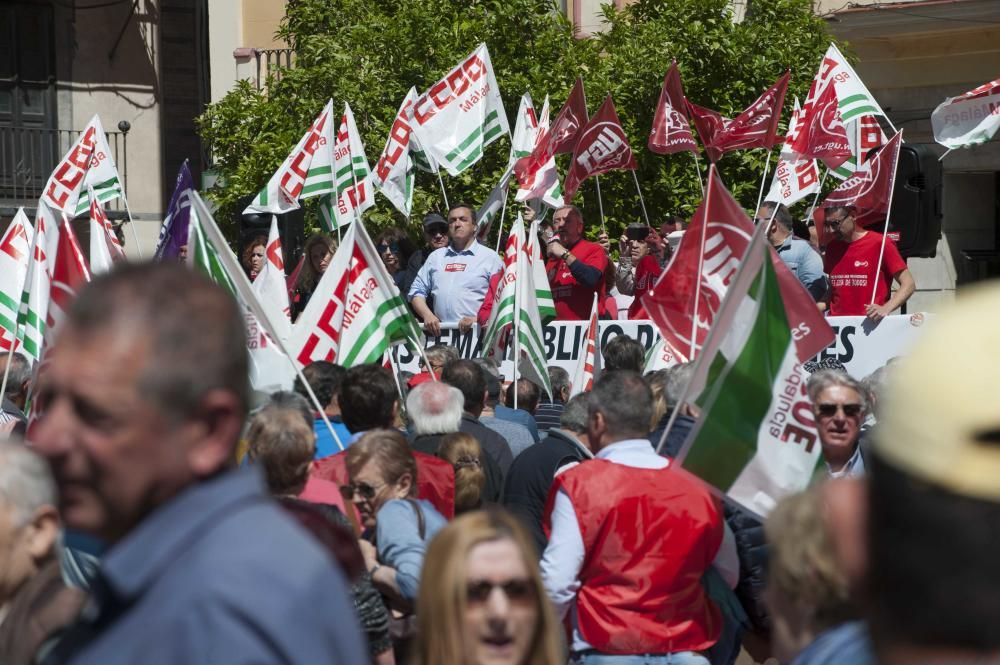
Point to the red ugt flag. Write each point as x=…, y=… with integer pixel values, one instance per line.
x=821, y=133
x=867, y=191
x=603, y=147
x=671, y=131
x=755, y=127
x=565, y=131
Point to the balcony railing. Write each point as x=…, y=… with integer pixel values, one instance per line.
x=28, y=156
x=270, y=62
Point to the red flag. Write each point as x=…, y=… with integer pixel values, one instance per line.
x=867, y=191
x=722, y=227
x=69, y=273
x=603, y=147
x=565, y=131
x=755, y=127
x=671, y=130
x=821, y=133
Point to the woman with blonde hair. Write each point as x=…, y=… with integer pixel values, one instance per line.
x=463, y=452
x=317, y=254
x=482, y=599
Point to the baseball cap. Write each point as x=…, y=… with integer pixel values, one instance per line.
x=941, y=422
x=434, y=219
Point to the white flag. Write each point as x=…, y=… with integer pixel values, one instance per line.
x=102, y=175
x=461, y=114
x=795, y=177
x=969, y=119
x=62, y=191
x=15, y=250
x=544, y=185
x=270, y=284
x=394, y=171
x=297, y=177
x=352, y=176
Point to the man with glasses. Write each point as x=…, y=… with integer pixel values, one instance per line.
x=456, y=276
x=839, y=404
x=852, y=259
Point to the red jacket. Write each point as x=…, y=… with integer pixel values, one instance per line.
x=649, y=536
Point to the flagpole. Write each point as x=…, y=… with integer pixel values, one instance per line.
x=503, y=212
x=885, y=233
x=443, y=193
x=763, y=180
x=641, y=201
x=395, y=376
x=697, y=168
x=600, y=204
x=131, y=224
x=517, y=317
x=822, y=182
x=701, y=265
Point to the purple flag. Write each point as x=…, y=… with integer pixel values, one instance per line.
x=174, y=232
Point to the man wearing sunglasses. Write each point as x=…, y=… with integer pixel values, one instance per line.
x=456, y=276
x=851, y=260
x=839, y=405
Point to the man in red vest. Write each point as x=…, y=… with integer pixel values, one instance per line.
x=630, y=537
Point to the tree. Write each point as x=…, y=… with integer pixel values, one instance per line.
x=370, y=54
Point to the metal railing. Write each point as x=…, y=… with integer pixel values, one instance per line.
x=28, y=156
x=270, y=62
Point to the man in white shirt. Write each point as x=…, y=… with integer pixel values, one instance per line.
x=840, y=404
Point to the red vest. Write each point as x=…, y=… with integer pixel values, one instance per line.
x=649, y=535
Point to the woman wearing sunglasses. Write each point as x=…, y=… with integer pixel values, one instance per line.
x=482, y=600
x=395, y=248
x=397, y=526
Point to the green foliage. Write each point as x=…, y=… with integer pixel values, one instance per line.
x=370, y=54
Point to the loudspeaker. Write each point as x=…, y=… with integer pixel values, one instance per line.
x=291, y=228
x=915, y=219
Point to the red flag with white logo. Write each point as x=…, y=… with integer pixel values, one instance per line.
x=755, y=127
x=722, y=228
x=867, y=191
x=821, y=133
x=565, y=131
x=603, y=147
x=671, y=130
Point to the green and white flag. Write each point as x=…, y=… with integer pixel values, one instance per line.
x=492, y=208
x=356, y=312
x=305, y=172
x=853, y=96
x=522, y=141
x=518, y=302
x=354, y=191
x=539, y=277
x=394, y=170
x=461, y=114
x=864, y=134
x=15, y=251
x=33, y=311
x=756, y=439
x=543, y=183
x=208, y=253
x=102, y=176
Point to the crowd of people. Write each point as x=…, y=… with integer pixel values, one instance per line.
x=453, y=277
x=157, y=515
x=161, y=512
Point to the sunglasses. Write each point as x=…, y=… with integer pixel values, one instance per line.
x=365, y=490
x=829, y=410
x=833, y=222
x=437, y=230
x=516, y=590
x=382, y=249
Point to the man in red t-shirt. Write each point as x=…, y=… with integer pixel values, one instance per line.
x=851, y=261
x=575, y=268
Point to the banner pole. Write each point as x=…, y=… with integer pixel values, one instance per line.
x=641, y=201
x=763, y=180
x=812, y=208
x=701, y=265
x=697, y=168
x=600, y=203
x=503, y=213
x=131, y=224
x=443, y=193
x=517, y=318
